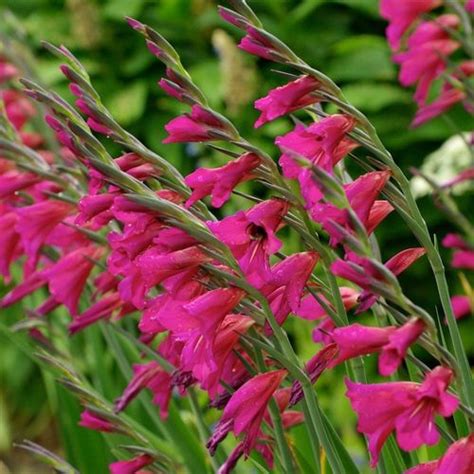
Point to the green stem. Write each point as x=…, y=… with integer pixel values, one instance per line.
x=202, y=427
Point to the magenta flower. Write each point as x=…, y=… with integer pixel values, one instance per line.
x=7, y=71
x=407, y=408
x=458, y=459
x=462, y=306
x=465, y=175
x=18, y=109
x=133, y=466
x=29, y=285
x=448, y=97
x=244, y=412
x=401, y=15
x=251, y=236
x=315, y=367
x=143, y=375
x=154, y=266
x=179, y=290
x=220, y=182
x=400, y=340
x=173, y=85
x=463, y=256
x=286, y=283
x=93, y=421
x=362, y=272
x=257, y=43
x=36, y=222
x=357, y=340
x=195, y=323
x=285, y=99
x=131, y=163
x=463, y=259
x=361, y=194
x=323, y=143
x=310, y=309
x=67, y=277
x=227, y=336
x=10, y=245
x=199, y=126
x=470, y=6
x=95, y=209
x=104, y=308
x=13, y=181
x=425, y=60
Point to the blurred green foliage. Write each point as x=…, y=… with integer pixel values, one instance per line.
x=343, y=38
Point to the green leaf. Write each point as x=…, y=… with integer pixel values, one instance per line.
x=118, y=9
x=373, y=97
x=127, y=105
x=361, y=57
x=207, y=77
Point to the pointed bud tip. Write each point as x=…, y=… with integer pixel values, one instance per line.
x=135, y=24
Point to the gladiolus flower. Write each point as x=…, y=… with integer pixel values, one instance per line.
x=251, y=236
x=286, y=99
x=401, y=14
x=400, y=340
x=310, y=309
x=12, y=182
x=458, y=459
x=357, y=340
x=425, y=59
x=96, y=210
x=155, y=266
x=195, y=324
x=18, y=109
x=462, y=306
x=199, y=126
x=245, y=410
x=257, y=43
x=29, y=285
x=285, y=286
x=361, y=195
x=100, y=310
x=9, y=243
x=220, y=182
x=407, y=408
x=93, y=421
x=323, y=143
x=7, y=71
x=36, y=222
x=463, y=256
x=67, y=277
x=444, y=102
x=315, y=367
x=363, y=272
x=227, y=336
x=143, y=375
x=132, y=466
